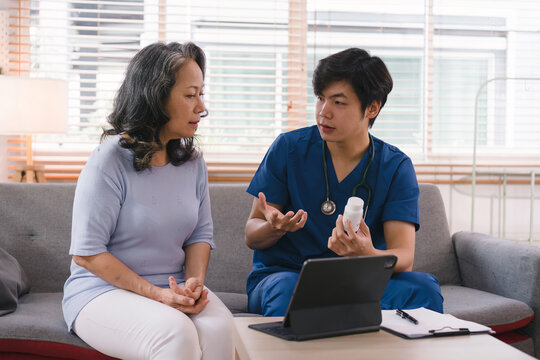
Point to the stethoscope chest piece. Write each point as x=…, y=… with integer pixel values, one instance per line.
x=328, y=207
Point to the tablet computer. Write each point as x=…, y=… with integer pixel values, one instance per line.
x=335, y=296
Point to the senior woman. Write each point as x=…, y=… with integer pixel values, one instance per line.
x=142, y=228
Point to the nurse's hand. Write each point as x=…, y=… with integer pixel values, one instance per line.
x=279, y=221
x=345, y=242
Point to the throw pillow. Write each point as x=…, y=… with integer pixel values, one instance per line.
x=13, y=282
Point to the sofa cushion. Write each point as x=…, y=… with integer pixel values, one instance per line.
x=236, y=303
x=39, y=317
x=500, y=313
x=13, y=282
x=37, y=327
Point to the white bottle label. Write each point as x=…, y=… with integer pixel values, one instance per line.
x=353, y=212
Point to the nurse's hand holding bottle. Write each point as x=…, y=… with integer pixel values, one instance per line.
x=267, y=224
x=347, y=242
x=399, y=236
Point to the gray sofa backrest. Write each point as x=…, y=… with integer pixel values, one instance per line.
x=35, y=227
x=230, y=261
x=434, y=252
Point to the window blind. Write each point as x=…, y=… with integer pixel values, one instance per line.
x=454, y=64
x=477, y=42
x=392, y=30
x=251, y=92
x=441, y=55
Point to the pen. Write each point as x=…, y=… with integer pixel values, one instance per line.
x=404, y=315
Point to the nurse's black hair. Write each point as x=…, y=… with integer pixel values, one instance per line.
x=367, y=75
x=139, y=112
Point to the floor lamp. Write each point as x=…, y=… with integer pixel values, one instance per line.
x=30, y=106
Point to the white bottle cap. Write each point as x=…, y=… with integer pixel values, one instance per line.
x=355, y=203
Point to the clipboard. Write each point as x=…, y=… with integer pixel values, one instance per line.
x=430, y=324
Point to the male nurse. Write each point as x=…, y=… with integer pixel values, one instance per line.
x=305, y=179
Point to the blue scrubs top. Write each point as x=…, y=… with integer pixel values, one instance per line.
x=292, y=175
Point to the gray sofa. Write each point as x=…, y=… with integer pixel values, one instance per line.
x=490, y=281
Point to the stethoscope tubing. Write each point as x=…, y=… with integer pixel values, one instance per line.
x=328, y=206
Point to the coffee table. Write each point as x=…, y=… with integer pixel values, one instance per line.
x=250, y=344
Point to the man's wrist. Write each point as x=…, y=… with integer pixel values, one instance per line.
x=277, y=232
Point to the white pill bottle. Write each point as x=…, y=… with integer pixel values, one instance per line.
x=353, y=212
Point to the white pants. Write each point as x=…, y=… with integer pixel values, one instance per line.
x=125, y=325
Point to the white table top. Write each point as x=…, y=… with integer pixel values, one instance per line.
x=255, y=345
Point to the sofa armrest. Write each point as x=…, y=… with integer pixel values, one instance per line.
x=500, y=267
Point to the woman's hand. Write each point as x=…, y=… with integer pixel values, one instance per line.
x=193, y=287
x=190, y=300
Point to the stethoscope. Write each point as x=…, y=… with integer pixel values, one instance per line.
x=328, y=207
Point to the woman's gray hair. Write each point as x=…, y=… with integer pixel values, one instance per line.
x=139, y=112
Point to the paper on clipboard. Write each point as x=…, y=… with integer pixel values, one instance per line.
x=430, y=323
